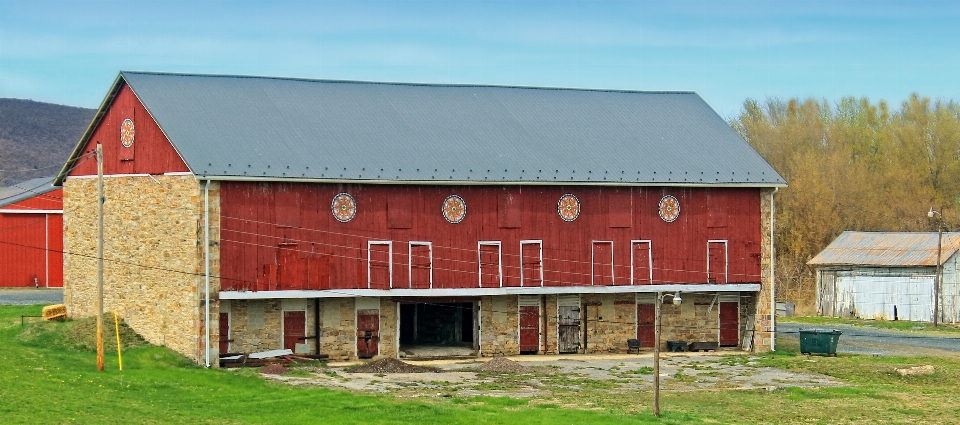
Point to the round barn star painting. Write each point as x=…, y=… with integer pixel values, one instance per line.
x=669, y=208
x=344, y=207
x=454, y=209
x=568, y=207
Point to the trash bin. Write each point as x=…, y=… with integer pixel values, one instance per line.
x=819, y=341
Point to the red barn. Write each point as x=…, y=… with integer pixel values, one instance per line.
x=31, y=234
x=363, y=219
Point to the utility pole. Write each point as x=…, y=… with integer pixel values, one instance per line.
x=99, y=257
x=936, y=276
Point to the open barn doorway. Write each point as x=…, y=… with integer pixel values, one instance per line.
x=439, y=329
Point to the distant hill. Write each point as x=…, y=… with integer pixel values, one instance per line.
x=36, y=138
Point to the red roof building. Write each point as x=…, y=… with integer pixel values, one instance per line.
x=31, y=235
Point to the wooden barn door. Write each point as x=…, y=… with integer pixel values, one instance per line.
x=531, y=271
x=641, y=269
x=729, y=320
x=646, y=309
x=289, y=275
x=224, y=333
x=379, y=264
x=491, y=272
x=568, y=323
x=602, y=263
x=421, y=265
x=717, y=262
x=368, y=333
x=294, y=329
x=529, y=323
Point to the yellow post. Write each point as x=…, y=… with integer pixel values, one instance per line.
x=116, y=324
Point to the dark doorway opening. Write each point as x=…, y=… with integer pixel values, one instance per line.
x=430, y=330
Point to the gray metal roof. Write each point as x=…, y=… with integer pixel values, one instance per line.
x=887, y=249
x=26, y=190
x=257, y=127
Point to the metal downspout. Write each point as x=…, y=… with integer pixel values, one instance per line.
x=206, y=270
x=773, y=278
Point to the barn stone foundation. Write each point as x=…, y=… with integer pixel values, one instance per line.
x=153, y=248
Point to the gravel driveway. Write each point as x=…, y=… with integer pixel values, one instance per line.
x=27, y=296
x=861, y=340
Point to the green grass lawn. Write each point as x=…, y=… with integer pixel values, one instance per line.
x=48, y=375
x=45, y=380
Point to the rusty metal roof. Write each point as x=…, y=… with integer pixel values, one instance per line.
x=887, y=249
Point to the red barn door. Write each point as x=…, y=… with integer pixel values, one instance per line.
x=294, y=329
x=490, y=270
x=729, y=323
x=602, y=263
x=224, y=333
x=717, y=262
x=379, y=265
x=642, y=270
x=529, y=324
x=368, y=333
x=421, y=265
x=532, y=268
x=645, y=324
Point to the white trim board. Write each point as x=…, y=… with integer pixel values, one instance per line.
x=473, y=292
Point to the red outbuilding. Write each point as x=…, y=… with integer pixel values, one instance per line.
x=31, y=234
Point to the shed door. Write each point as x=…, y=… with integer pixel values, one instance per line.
x=645, y=324
x=294, y=329
x=729, y=324
x=224, y=333
x=642, y=270
x=368, y=333
x=529, y=329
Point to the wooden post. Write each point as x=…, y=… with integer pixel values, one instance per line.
x=99, y=257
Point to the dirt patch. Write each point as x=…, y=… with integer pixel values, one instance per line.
x=391, y=366
x=503, y=365
x=274, y=369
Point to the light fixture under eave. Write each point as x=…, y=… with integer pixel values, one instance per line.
x=931, y=213
x=676, y=298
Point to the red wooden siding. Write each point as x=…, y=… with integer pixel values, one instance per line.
x=251, y=234
x=31, y=244
x=151, y=152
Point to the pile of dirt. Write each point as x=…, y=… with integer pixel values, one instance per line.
x=274, y=369
x=391, y=366
x=503, y=365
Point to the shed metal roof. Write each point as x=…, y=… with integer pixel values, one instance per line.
x=236, y=127
x=887, y=249
x=26, y=190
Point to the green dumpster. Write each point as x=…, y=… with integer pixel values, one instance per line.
x=819, y=341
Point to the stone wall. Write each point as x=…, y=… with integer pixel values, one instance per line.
x=338, y=328
x=609, y=320
x=551, y=332
x=153, y=256
x=499, y=326
x=763, y=325
x=692, y=321
x=389, y=326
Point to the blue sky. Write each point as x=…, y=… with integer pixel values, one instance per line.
x=69, y=52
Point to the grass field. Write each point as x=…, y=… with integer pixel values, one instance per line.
x=898, y=325
x=48, y=375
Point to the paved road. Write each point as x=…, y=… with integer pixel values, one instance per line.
x=860, y=340
x=23, y=296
